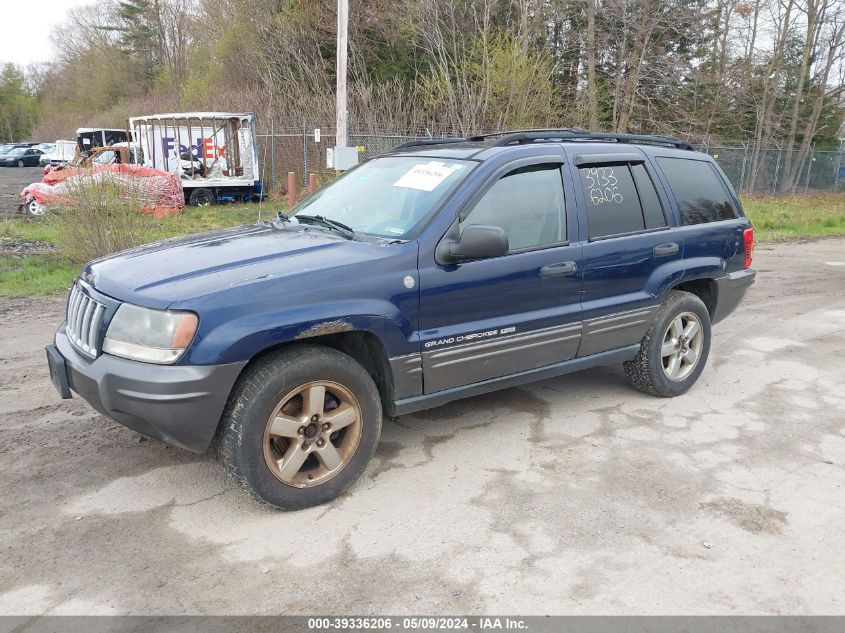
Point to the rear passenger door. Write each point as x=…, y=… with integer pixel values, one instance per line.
x=709, y=216
x=631, y=253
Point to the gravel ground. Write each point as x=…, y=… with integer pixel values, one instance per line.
x=573, y=495
x=13, y=180
x=20, y=248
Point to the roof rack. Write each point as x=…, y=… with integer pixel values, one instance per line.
x=553, y=132
x=521, y=137
x=576, y=134
x=428, y=141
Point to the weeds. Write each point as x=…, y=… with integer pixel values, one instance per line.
x=96, y=216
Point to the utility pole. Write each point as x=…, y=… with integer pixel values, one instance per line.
x=342, y=36
x=341, y=157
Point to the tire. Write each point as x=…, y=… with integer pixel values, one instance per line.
x=657, y=369
x=259, y=439
x=19, y=163
x=33, y=209
x=202, y=198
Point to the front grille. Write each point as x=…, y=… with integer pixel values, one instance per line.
x=83, y=321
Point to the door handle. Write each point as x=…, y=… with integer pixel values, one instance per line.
x=666, y=250
x=562, y=269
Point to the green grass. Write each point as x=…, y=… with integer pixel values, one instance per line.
x=34, y=275
x=793, y=217
x=22, y=228
x=193, y=220
x=46, y=274
x=198, y=219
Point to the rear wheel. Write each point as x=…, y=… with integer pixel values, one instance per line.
x=675, y=349
x=300, y=427
x=202, y=198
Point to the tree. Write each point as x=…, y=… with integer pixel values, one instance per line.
x=156, y=34
x=18, y=107
x=766, y=71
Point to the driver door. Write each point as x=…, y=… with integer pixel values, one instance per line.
x=489, y=318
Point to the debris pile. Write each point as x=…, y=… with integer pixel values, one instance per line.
x=158, y=193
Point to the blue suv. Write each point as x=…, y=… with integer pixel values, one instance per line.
x=439, y=270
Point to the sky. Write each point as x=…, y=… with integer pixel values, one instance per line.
x=27, y=25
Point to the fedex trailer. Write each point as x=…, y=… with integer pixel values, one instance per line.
x=214, y=153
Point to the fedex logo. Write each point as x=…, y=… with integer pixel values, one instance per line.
x=204, y=148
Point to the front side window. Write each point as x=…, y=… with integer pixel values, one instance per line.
x=388, y=196
x=527, y=204
x=702, y=196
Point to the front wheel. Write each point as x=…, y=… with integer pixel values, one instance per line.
x=675, y=349
x=33, y=208
x=300, y=426
x=20, y=163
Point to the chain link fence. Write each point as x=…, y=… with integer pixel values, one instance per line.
x=817, y=170
x=303, y=151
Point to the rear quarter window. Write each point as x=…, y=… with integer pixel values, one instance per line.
x=702, y=196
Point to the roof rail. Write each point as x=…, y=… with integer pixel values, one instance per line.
x=427, y=141
x=576, y=134
x=554, y=132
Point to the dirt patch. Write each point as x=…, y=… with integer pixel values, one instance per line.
x=22, y=248
x=754, y=517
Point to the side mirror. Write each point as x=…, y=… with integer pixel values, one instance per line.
x=478, y=241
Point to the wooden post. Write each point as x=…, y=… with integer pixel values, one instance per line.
x=312, y=183
x=291, y=189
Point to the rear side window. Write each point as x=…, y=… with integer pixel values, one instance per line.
x=652, y=209
x=700, y=192
x=620, y=199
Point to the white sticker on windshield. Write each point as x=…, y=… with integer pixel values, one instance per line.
x=425, y=177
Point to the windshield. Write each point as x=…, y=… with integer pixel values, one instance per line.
x=20, y=151
x=105, y=158
x=387, y=196
x=5, y=149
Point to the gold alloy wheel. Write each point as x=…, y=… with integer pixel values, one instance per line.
x=312, y=434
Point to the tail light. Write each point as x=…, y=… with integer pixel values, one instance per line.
x=748, y=245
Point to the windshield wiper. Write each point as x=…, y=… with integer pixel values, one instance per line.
x=340, y=227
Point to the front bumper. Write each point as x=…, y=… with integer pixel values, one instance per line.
x=730, y=290
x=179, y=405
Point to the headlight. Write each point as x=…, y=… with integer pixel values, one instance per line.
x=153, y=336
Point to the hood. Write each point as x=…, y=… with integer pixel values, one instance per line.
x=185, y=268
